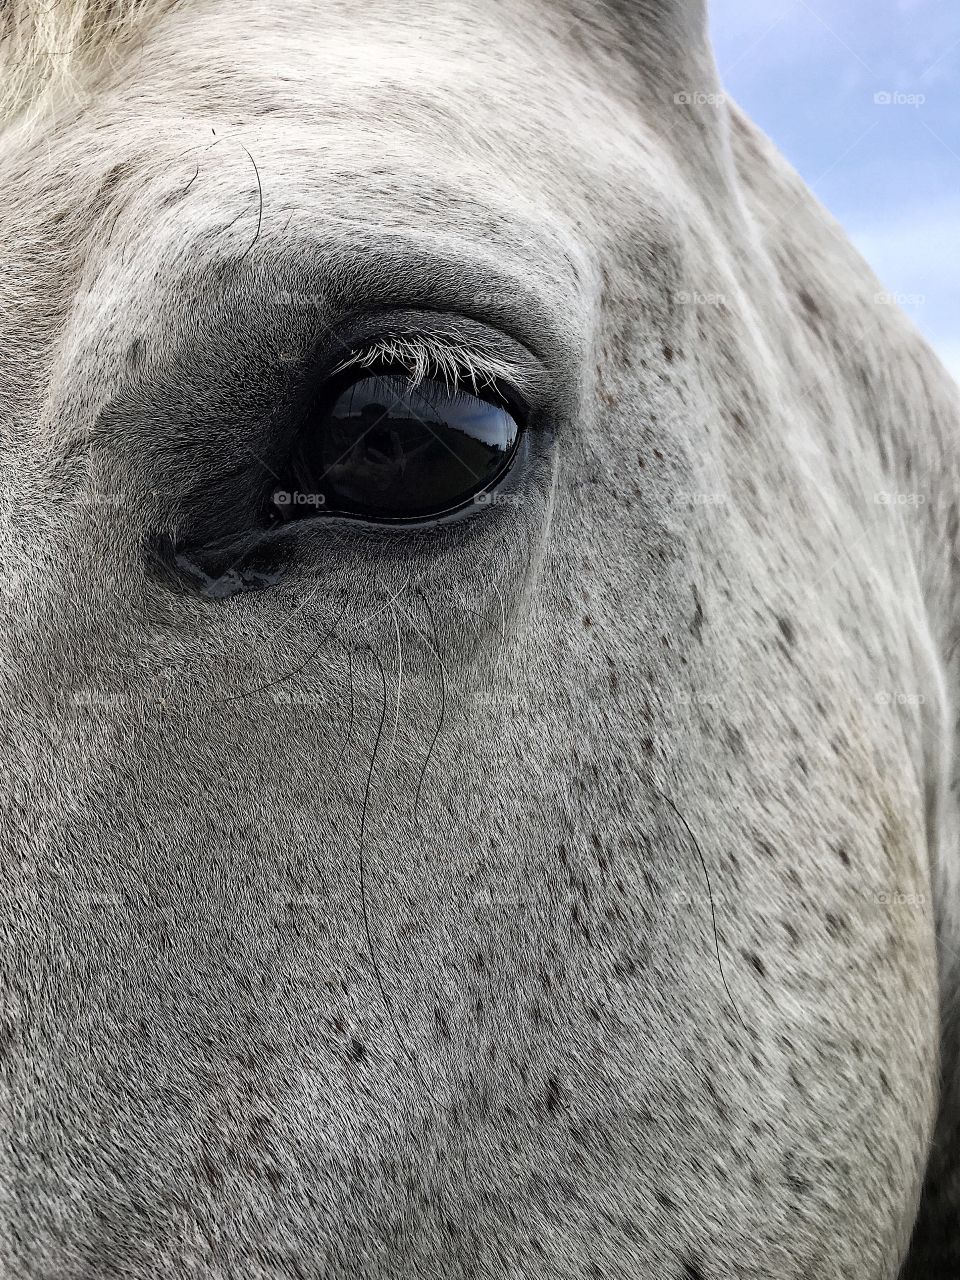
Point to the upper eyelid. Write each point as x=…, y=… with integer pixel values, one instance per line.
x=428, y=356
x=458, y=350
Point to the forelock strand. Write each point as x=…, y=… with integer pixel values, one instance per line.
x=50, y=47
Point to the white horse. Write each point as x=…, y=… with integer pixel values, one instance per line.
x=480, y=651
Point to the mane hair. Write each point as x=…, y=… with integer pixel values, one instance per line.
x=48, y=48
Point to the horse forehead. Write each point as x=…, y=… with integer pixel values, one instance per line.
x=456, y=126
x=538, y=83
x=539, y=98
x=542, y=34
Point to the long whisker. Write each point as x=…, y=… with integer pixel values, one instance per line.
x=435, y=645
x=248, y=693
x=713, y=911
x=293, y=613
x=346, y=740
x=396, y=717
x=503, y=622
x=362, y=622
x=363, y=887
x=256, y=236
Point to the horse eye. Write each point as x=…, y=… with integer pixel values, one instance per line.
x=384, y=447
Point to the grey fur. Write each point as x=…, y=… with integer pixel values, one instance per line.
x=357, y=926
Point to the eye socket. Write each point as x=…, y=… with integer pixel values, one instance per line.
x=384, y=446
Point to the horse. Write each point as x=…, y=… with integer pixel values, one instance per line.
x=480, y=556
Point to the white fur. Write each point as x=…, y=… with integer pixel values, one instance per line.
x=556, y=893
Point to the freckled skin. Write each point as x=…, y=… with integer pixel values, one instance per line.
x=550, y=895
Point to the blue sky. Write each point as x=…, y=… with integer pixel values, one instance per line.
x=809, y=72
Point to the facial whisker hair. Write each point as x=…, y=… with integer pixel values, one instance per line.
x=292, y=614
x=435, y=645
x=362, y=622
x=713, y=910
x=287, y=675
x=346, y=740
x=256, y=171
x=361, y=860
x=396, y=717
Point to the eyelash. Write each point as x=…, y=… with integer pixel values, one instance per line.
x=459, y=367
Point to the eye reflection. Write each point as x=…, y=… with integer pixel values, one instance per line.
x=389, y=449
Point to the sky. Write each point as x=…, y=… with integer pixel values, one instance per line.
x=863, y=97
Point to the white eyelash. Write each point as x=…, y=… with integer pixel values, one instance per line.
x=455, y=365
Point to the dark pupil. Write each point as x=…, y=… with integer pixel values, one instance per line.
x=389, y=450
